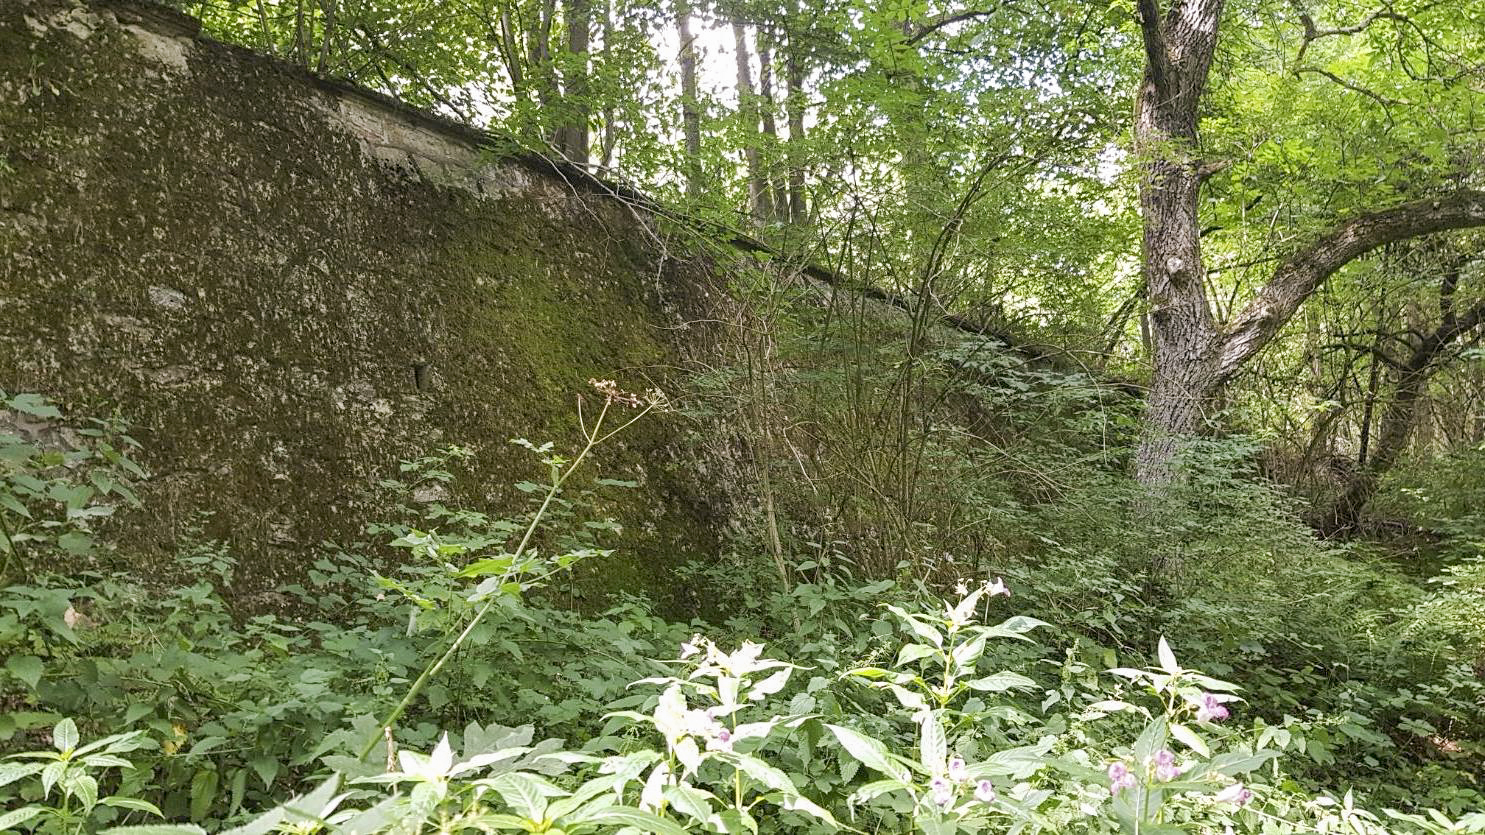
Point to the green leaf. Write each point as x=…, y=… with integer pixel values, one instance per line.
x=1151, y=740
x=86, y=790
x=16, y=817
x=133, y=803
x=1001, y=682
x=1190, y=739
x=11, y=772
x=64, y=735
x=642, y=821
x=203, y=793
x=933, y=745
x=689, y=800
x=34, y=405
x=307, y=807
x=968, y=653
x=919, y=628
x=14, y=505
x=1167, y=658
x=156, y=829
x=914, y=652
x=869, y=752
x=27, y=668
x=525, y=793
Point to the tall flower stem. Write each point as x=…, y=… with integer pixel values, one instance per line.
x=592, y=438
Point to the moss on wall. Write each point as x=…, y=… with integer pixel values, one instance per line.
x=198, y=237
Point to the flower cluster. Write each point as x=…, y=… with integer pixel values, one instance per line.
x=990, y=588
x=676, y=721
x=962, y=613
x=1165, y=766
x=942, y=789
x=1120, y=777
x=654, y=398
x=1161, y=765
x=1210, y=709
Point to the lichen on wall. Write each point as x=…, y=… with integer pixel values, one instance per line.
x=290, y=286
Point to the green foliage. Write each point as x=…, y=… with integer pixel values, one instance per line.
x=885, y=722
x=57, y=481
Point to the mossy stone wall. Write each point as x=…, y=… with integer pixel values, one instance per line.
x=259, y=268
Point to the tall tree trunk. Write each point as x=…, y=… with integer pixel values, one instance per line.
x=609, y=139
x=794, y=104
x=573, y=136
x=778, y=200
x=690, y=106
x=747, y=110
x=327, y=40
x=1179, y=52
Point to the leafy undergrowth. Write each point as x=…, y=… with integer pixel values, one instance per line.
x=457, y=695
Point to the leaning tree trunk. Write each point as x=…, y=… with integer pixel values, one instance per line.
x=1401, y=415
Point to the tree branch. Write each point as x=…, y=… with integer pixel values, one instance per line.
x=927, y=28
x=1157, y=54
x=1314, y=33
x=1305, y=271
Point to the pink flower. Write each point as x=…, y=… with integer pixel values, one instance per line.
x=1165, y=766
x=720, y=741
x=957, y=772
x=985, y=792
x=1210, y=709
x=942, y=791
x=1119, y=777
x=1235, y=793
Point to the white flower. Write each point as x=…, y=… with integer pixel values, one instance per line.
x=692, y=646
x=957, y=771
x=671, y=717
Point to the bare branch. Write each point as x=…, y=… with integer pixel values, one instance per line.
x=1354, y=87
x=1314, y=33
x=927, y=28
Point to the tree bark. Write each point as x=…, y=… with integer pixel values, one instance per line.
x=573, y=137
x=690, y=106
x=778, y=200
x=794, y=105
x=747, y=110
x=1178, y=56
x=1304, y=272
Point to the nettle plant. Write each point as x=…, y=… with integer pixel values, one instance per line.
x=53, y=493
